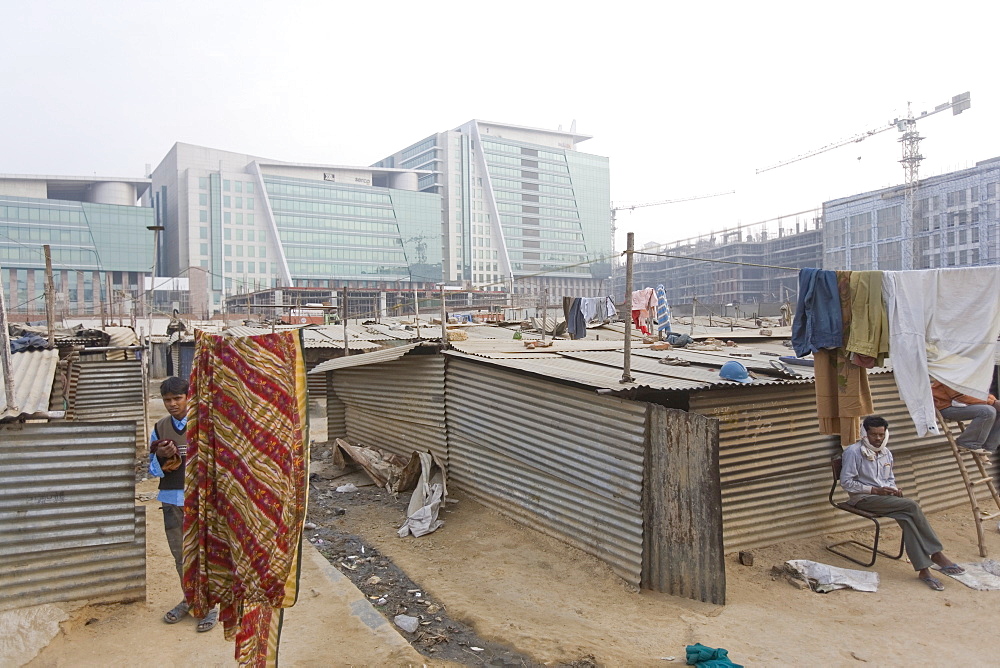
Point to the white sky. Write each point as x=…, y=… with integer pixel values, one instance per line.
x=684, y=100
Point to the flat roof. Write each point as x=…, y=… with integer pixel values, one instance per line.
x=575, y=135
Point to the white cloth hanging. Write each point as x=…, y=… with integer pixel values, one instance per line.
x=943, y=323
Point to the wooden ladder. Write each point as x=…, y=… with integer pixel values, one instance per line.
x=971, y=483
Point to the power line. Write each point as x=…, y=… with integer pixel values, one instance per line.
x=705, y=259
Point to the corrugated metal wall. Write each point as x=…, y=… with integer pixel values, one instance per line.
x=106, y=573
x=682, y=503
x=775, y=466
x=560, y=459
x=336, y=412
x=69, y=527
x=106, y=391
x=398, y=406
x=66, y=484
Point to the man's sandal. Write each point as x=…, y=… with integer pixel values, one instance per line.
x=209, y=621
x=179, y=612
x=933, y=583
x=954, y=569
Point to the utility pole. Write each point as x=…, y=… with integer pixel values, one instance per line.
x=111, y=295
x=627, y=371
x=5, y=358
x=416, y=310
x=50, y=296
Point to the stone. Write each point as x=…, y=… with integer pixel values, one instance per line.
x=406, y=622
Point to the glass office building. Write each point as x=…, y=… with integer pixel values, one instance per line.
x=100, y=245
x=237, y=223
x=523, y=210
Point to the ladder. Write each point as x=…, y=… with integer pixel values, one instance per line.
x=981, y=461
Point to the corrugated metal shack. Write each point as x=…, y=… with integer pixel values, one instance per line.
x=659, y=478
x=69, y=527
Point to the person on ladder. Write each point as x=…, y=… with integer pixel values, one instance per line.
x=870, y=484
x=982, y=428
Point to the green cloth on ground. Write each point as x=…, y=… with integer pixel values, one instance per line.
x=709, y=657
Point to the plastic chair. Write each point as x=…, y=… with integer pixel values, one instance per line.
x=836, y=463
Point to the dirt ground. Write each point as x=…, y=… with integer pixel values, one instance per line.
x=519, y=589
x=542, y=598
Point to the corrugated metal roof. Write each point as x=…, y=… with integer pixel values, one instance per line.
x=315, y=338
x=587, y=374
x=385, y=355
x=426, y=331
x=503, y=348
x=33, y=374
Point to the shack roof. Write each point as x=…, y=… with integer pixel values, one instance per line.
x=33, y=372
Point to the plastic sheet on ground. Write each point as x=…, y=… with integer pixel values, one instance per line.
x=387, y=470
x=829, y=578
x=981, y=576
x=430, y=493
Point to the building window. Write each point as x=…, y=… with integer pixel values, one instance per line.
x=229, y=266
x=202, y=199
x=203, y=249
x=238, y=186
x=202, y=215
x=227, y=217
x=225, y=185
x=239, y=267
x=227, y=200
x=249, y=188
x=249, y=202
x=239, y=201
x=203, y=183
x=239, y=218
x=202, y=232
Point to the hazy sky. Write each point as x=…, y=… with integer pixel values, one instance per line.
x=684, y=99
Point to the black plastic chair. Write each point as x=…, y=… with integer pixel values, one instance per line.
x=836, y=463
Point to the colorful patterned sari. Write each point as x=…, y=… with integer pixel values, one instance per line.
x=246, y=486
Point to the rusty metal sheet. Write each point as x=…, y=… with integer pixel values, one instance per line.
x=682, y=504
x=560, y=459
x=66, y=485
x=377, y=357
x=113, y=573
x=33, y=371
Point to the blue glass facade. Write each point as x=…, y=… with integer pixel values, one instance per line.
x=341, y=232
x=88, y=243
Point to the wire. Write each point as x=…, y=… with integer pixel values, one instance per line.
x=705, y=259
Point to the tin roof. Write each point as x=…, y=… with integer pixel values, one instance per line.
x=33, y=374
x=384, y=355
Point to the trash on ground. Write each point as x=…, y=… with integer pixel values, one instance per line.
x=829, y=578
x=425, y=503
x=981, y=576
x=709, y=657
x=349, y=487
x=388, y=470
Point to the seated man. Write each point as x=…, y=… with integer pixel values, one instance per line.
x=868, y=479
x=982, y=428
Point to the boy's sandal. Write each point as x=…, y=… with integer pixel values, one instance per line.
x=209, y=621
x=179, y=612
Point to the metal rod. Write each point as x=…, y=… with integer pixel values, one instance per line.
x=416, y=309
x=627, y=371
x=694, y=309
x=5, y=357
x=50, y=297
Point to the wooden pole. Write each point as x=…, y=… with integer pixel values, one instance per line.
x=347, y=351
x=627, y=371
x=111, y=295
x=50, y=297
x=545, y=313
x=444, y=318
x=416, y=310
x=5, y=357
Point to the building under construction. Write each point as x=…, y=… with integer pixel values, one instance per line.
x=724, y=268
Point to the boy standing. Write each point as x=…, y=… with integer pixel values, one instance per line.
x=167, y=452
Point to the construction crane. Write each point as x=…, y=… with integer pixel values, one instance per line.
x=910, y=142
x=631, y=207
x=958, y=104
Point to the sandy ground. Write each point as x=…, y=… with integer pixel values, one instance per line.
x=516, y=586
x=541, y=597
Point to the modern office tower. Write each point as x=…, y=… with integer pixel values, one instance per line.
x=523, y=210
x=236, y=223
x=954, y=224
x=98, y=238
